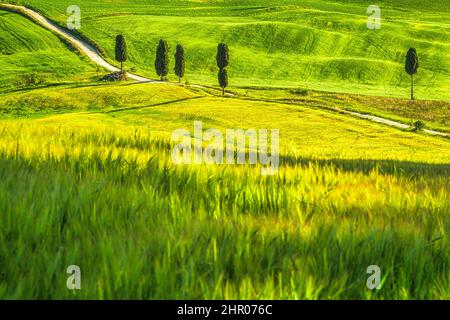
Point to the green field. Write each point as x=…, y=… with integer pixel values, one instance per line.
x=34, y=56
x=98, y=188
x=86, y=175
x=314, y=44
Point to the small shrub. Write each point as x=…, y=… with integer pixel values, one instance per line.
x=419, y=125
x=300, y=92
x=115, y=76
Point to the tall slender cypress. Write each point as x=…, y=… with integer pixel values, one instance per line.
x=411, y=67
x=223, y=60
x=162, y=59
x=179, y=62
x=121, y=51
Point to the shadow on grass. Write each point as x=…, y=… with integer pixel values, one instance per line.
x=366, y=166
x=58, y=85
x=152, y=105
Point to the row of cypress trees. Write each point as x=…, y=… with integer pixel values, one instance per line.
x=162, y=60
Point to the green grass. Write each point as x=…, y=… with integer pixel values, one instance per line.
x=70, y=98
x=435, y=114
x=86, y=176
x=33, y=56
x=97, y=188
x=314, y=44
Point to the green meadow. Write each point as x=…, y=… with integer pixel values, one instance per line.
x=33, y=56
x=323, y=45
x=98, y=188
x=87, y=178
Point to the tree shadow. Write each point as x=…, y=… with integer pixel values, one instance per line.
x=61, y=85
x=366, y=166
x=153, y=105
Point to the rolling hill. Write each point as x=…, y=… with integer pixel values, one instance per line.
x=87, y=175
x=32, y=55
x=314, y=44
x=96, y=187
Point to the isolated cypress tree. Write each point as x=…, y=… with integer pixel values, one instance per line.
x=121, y=51
x=223, y=79
x=179, y=62
x=411, y=66
x=223, y=57
x=162, y=59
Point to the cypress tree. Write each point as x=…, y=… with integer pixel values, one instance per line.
x=223, y=79
x=223, y=60
x=411, y=66
x=121, y=51
x=223, y=57
x=179, y=62
x=162, y=59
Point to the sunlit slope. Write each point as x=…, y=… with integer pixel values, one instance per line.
x=99, y=188
x=29, y=54
x=161, y=109
x=110, y=199
x=316, y=44
x=96, y=186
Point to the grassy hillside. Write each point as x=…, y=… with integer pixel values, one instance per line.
x=103, y=96
x=315, y=44
x=435, y=114
x=31, y=55
x=97, y=188
x=86, y=175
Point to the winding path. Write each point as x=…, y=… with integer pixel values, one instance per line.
x=93, y=54
x=393, y=123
